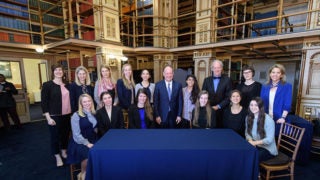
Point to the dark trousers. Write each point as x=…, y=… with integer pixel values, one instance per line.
x=12, y=111
x=264, y=154
x=184, y=124
x=59, y=134
x=219, y=118
x=169, y=123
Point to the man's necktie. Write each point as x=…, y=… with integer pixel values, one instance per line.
x=169, y=91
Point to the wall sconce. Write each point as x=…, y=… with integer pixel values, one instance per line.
x=39, y=50
x=123, y=58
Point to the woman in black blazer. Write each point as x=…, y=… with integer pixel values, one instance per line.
x=56, y=107
x=140, y=114
x=109, y=116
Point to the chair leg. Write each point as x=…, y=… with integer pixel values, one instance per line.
x=267, y=175
x=71, y=172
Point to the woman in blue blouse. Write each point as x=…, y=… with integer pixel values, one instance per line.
x=125, y=87
x=277, y=95
x=84, y=133
x=190, y=94
x=81, y=85
x=140, y=114
x=260, y=130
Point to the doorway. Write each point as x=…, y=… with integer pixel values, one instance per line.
x=35, y=74
x=13, y=70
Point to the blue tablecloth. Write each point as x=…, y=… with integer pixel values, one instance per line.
x=172, y=154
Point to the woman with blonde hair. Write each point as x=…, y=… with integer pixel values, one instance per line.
x=125, y=87
x=105, y=83
x=84, y=133
x=81, y=85
x=277, y=96
x=203, y=116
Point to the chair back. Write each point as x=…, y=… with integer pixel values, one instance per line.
x=289, y=139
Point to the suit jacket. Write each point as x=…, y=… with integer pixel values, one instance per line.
x=104, y=122
x=135, y=120
x=6, y=96
x=162, y=103
x=221, y=96
x=282, y=99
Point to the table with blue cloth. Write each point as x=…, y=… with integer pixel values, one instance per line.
x=172, y=154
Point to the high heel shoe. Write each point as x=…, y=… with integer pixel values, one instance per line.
x=79, y=176
x=64, y=154
x=83, y=176
x=59, y=161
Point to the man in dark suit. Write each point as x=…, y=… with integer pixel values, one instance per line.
x=168, y=101
x=219, y=87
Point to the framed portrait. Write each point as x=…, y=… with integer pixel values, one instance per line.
x=5, y=69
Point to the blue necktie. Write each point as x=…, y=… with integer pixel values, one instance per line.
x=169, y=91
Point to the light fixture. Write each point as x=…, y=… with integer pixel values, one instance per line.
x=39, y=50
x=123, y=58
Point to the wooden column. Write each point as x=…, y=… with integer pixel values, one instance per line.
x=202, y=63
x=308, y=105
x=160, y=61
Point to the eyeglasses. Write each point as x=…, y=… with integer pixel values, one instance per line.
x=247, y=72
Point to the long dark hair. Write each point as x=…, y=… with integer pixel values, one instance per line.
x=147, y=105
x=261, y=118
x=195, y=88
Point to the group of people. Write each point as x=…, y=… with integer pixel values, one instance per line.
x=252, y=110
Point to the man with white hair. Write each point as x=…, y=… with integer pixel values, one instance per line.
x=219, y=88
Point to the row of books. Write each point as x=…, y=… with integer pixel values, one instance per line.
x=17, y=38
x=13, y=23
x=14, y=10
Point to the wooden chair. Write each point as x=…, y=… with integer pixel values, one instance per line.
x=125, y=118
x=288, y=144
x=74, y=168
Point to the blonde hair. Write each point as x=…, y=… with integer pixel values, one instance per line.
x=79, y=68
x=80, y=110
x=282, y=70
x=197, y=110
x=125, y=80
x=106, y=67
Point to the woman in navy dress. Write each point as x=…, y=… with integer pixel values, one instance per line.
x=140, y=114
x=234, y=116
x=84, y=134
x=81, y=85
x=125, y=87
